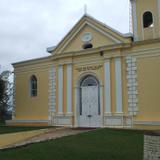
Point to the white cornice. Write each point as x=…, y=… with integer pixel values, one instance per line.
x=32, y=61
x=91, y=51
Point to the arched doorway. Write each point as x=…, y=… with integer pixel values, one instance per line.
x=89, y=108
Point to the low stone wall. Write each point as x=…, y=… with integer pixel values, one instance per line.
x=152, y=146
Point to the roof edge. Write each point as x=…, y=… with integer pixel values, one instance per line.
x=126, y=35
x=31, y=60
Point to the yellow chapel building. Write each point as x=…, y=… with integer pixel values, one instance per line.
x=95, y=77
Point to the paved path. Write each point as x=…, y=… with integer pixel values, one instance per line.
x=52, y=133
x=8, y=139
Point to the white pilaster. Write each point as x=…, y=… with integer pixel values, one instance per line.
x=159, y=11
x=134, y=19
x=101, y=105
x=69, y=88
x=107, y=87
x=60, y=89
x=132, y=83
x=118, y=77
x=76, y=112
x=52, y=95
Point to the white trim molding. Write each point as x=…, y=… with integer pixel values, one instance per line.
x=148, y=123
x=132, y=85
x=63, y=120
x=158, y=3
x=101, y=105
x=134, y=20
x=118, y=121
x=107, y=87
x=113, y=121
x=118, y=77
x=52, y=94
x=76, y=106
x=69, y=89
x=10, y=122
x=60, y=89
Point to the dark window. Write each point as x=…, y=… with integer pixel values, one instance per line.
x=89, y=81
x=88, y=45
x=147, y=19
x=33, y=86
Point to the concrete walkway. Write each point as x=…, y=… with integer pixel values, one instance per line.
x=12, y=138
x=48, y=134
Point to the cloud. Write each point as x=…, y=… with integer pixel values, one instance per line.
x=28, y=27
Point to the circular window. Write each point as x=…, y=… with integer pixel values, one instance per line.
x=86, y=37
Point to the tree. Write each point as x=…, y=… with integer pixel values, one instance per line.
x=6, y=92
x=2, y=94
x=2, y=88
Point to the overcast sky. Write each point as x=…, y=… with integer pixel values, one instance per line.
x=28, y=27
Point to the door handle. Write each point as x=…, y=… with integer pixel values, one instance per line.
x=89, y=116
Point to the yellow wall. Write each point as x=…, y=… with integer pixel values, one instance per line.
x=27, y=107
x=98, y=40
x=148, y=89
x=141, y=7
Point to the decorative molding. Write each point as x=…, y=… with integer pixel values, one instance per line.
x=52, y=94
x=107, y=86
x=69, y=88
x=63, y=120
x=132, y=85
x=118, y=121
x=26, y=121
x=89, y=68
x=32, y=68
x=94, y=62
x=114, y=121
x=145, y=53
x=152, y=123
x=118, y=76
x=14, y=98
x=60, y=89
x=105, y=33
x=32, y=61
x=116, y=40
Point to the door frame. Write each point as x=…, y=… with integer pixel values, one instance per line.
x=77, y=97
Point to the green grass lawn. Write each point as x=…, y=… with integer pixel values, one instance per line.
x=10, y=129
x=102, y=144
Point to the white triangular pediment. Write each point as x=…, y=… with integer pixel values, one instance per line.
x=101, y=36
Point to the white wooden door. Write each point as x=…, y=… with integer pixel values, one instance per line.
x=90, y=109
